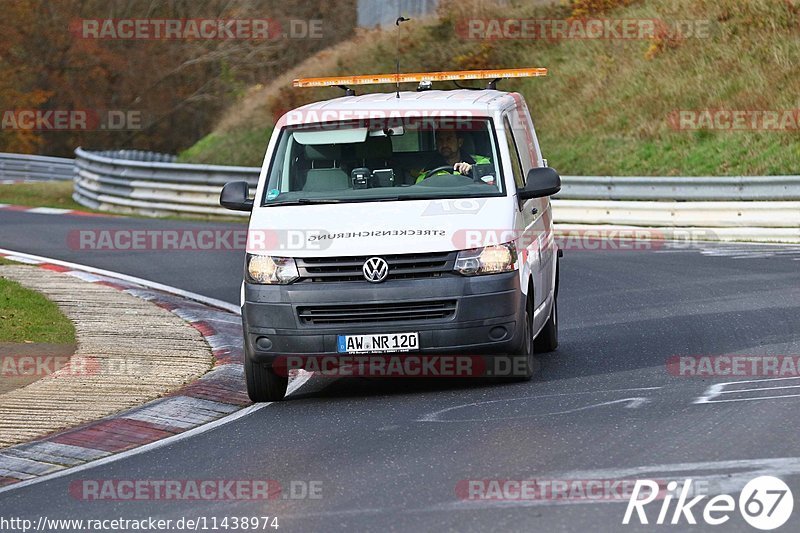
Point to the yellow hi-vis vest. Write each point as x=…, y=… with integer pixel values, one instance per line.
x=479, y=160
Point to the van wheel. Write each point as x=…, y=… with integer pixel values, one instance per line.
x=547, y=339
x=523, y=358
x=263, y=384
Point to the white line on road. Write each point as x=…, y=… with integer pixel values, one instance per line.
x=756, y=399
x=633, y=403
x=132, y=279
x=48, y=210
x=718, y=389
x=734, y=391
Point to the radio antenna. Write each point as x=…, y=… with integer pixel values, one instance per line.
x=397, y=62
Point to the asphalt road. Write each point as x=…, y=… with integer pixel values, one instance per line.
x=215, y=273
x=389, y=455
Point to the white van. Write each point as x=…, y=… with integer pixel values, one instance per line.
x=407, y=223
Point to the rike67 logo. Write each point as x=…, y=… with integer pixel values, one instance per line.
x=765, y=503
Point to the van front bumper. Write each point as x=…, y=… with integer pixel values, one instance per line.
x=488, y=315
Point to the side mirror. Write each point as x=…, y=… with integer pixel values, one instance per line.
x=234, y=196
x=540, y=182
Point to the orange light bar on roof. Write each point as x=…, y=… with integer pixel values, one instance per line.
x=371, y=79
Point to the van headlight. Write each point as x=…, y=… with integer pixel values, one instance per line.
x=488, y=260
x=268, y=270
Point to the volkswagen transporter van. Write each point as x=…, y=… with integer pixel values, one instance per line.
x=408, y=223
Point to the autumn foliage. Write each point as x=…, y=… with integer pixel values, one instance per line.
x=176, y=87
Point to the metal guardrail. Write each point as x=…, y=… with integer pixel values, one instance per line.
x=733, y=188
x=138, y=155
x=765, y=214
x=25, y=167
x=106, y=182
x=153, y=187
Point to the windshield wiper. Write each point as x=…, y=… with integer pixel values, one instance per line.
x=306, y=201
x=409, y=197
x=312, y=201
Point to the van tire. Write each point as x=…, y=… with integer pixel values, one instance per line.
x=547, y=339
x=523, y=356
x=263, y=384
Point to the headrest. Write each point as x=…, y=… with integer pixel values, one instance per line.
x=323, y=152
x=468, y=146
x=374, y=148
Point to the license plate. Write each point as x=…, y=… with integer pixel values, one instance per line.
x=378, y=343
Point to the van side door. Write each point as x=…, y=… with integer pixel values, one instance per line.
x=525, y=135
x=529, y=223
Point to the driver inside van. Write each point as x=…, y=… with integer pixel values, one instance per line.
x=450, y=152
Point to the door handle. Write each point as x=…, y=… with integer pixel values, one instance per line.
x=534, y=211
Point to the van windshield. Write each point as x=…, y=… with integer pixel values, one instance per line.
x=353, y=162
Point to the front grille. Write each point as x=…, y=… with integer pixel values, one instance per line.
x=386, y=312
x=401, y=266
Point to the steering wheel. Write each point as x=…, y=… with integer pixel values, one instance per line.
x=445, y=168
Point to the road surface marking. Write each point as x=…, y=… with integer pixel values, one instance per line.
x=633, y=403
x=718, y=389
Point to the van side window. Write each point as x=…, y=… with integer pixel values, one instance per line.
x=516, y=166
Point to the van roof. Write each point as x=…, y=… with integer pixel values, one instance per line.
x=481, y=102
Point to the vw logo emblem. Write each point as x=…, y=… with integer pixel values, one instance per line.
x=375, y=269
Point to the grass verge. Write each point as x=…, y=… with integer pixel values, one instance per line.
x=608, y=106
x=27, y=316
x=44, y=194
